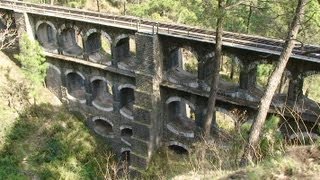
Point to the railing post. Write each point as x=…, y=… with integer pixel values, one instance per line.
x=138, y=24
x=157, y=27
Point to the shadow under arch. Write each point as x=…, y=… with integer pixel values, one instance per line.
x=46, y=34
x=126, y=100
x=70, y=40
x=102, y=97
x=98, y=46
x=75, y=86
x=125, y=51
x=181, y=66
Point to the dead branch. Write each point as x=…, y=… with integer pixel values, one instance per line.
x=8, y=36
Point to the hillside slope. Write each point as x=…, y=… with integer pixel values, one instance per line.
x=44, y=140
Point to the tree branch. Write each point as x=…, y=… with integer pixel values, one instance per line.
x=8, y=36
x=235, y=4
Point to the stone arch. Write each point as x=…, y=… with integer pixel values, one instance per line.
x=181, y=116
x=98, y=45
x=102, y=126
x=47, y=35
x=126, y=131
x=126, y=86
x=124, y=50
x=230, y=69
x=102, y=97
x=178, y=57
x=126, y=100
x=75, y=86
x=120, y=37
x=77, y=72
x=181, y=65
x=53, y=80
x=177, y=98
x=178, y=147
x=70, y=40
x=125, y=155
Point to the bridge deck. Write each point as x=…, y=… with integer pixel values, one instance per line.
x=235, y=40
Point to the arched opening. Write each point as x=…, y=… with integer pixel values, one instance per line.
x=126, y=101
x=125, y=156
x=225, y=123
x=102, y=127
x=98, y=48
x=182, y=59
x=75, y=86
x=182, y=115
x=53, y=80
x=102, y=96
x=126, y=132
x=264, y=72
x=46, y=35
x=71, y=42
x=311, y=85
x=182, y=67
x=230, y=69
x=178, y=149
x=125, y=51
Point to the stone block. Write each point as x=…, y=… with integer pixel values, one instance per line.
x=140, y=147
x=142, y=115
x=141, y=131
x=143, y=99
x=138, y=162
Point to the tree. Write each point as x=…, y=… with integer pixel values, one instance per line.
x=210, y=115
x=223, y=6
x=273, y=84
x=32, y=61
x=8, y=35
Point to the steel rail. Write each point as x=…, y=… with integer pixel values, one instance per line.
x=236, y=40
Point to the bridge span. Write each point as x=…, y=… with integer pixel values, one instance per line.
x=131, y=79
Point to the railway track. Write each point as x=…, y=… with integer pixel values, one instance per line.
x=236, y=40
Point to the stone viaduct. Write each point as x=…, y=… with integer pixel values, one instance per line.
x=126, y=77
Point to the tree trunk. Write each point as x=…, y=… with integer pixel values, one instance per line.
x=98, y=5
x=272, y=85
x=249, y=18
x=232, y=68
x=210, y=115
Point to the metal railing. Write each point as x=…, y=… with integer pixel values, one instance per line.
x=255, y=43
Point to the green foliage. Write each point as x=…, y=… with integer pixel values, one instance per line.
x=272, y=142
x=311, y=87
x=32, y=61
x=263, y=73
x=47, y=142
x=167, y=10
x=191, y=65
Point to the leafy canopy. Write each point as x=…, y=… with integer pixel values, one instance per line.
x=32, y=61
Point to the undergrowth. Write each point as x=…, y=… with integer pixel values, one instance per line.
x=48, y=142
